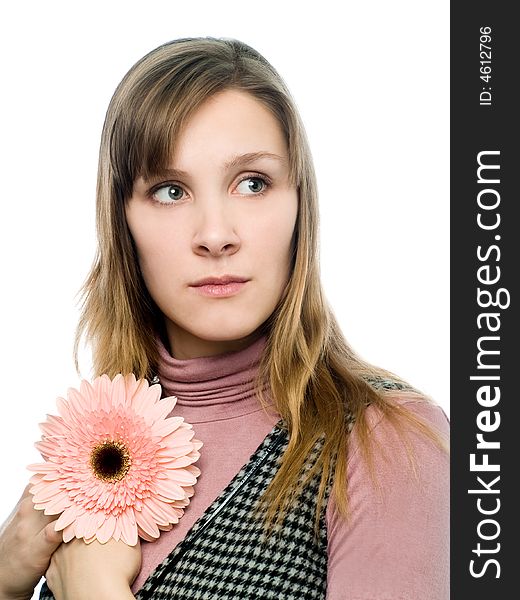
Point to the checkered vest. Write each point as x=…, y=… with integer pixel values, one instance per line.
x=222, y=557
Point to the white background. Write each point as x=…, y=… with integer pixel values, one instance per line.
x=371, y=82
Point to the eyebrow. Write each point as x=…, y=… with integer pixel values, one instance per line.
x=235, y=161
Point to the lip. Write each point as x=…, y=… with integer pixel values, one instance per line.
x=223, y=280
x=220, y=287
x=220, y=290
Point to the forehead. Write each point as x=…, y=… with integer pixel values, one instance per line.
x=229, y=123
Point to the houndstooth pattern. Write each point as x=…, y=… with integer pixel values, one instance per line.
x=226, y=556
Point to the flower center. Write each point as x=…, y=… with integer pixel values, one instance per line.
x=110, y=460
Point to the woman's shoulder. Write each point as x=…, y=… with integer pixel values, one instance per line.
x=413, y=402
x=380, y=550
x=405, y=458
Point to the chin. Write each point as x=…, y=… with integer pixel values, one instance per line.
x=223, y=333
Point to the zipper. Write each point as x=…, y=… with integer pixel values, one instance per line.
x=254, y=466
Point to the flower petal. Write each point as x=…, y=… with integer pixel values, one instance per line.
x=168, y=426
x=147, y=523
x=104, y=533
x=67, y=517
x=128, y=528
x=47, y=467
x=193, y=470
x=69, y=533
x=117, y=530
x=89, y=396
x=53, y=426
x=172, y=462
x=93, y=521
x=118, y=397
x=45, y=490
x=76, y=403
x=131, y=385
x=162, y=512
x=147, y=538
x=181, y=476
x=169, y=489
x=162, y=409
x=101, y=387
x=56, y=505
x=145, y=400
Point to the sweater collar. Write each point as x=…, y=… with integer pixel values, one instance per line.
x=212, y=387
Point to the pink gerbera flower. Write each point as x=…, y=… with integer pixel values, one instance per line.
x=116, y=466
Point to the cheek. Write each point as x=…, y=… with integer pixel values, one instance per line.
x=275, y=232
x=159, y=260
x=157, y=248
x=271, y=242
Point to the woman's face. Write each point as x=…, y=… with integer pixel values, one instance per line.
x=228, y=208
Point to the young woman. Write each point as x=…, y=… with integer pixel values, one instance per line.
x=322, y=476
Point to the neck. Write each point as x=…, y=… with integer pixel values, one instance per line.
x=183, y=345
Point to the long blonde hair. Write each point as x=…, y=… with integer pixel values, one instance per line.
x=318, y=384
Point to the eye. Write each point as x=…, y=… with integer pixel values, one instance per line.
x=167, y=194
x=254, y=184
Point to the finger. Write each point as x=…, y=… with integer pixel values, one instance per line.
x=26, y=493
x=48, y=539
x=36, y=518
x=26, y=519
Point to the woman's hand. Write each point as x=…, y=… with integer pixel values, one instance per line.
x=27, y=541
x=103, y=571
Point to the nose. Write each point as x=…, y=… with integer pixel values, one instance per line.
x=215, y=233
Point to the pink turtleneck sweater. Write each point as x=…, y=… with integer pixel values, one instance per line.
x=394, y=547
